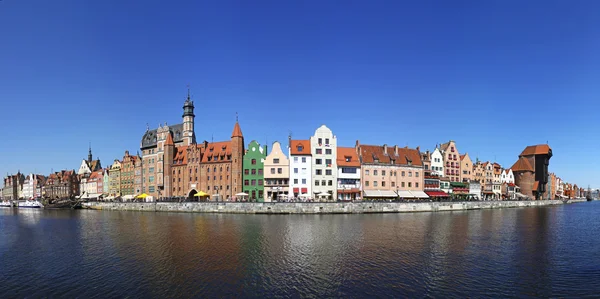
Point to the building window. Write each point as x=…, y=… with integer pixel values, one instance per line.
x=295, y=170
x=328, y=162
x=318, y=172
x=409, y=184
x=375, y=172
x=319, y=151
x=246, y=171
x=326, y=140
x=320, y=141
x=416, y=174
x=318, y=161
x=303, y=181
x=402, y=184
x=374, y=183
x=295, y=159
x=253, y=171
x=316, y=182
x=303, y=159
x=328, y=172
x=253, y=182
x=279, y=170
x=410, y=174
x=417, y=185
x=275, y=161
x=260, y=182
x=349, y=170
x=328, y=152
x=300, y=148
x=330, y=183
x=272, y=170
x=383, y=172
x=253, y=161
x=367, y=183
x=383, y=184
x=393, y=184
x=295, y=181
x=246, y=182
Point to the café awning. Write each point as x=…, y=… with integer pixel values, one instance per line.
x=380, y=193
x=419, y=194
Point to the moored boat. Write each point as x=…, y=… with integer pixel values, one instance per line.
x=35, y=204
x=6, y=204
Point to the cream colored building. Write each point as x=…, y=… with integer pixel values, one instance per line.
x=114, y=179
x=466, y=168
x=276, y=174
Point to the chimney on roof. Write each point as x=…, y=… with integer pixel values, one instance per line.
x=385, y=148
x=290, y=140
x=396, y=150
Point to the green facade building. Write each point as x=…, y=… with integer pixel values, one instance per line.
x=254, y=160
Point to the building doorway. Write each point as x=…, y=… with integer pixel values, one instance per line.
x=191, y=195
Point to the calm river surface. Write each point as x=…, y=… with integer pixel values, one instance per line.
x=527, y=252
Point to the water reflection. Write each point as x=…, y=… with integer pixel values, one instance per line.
x=498, y=253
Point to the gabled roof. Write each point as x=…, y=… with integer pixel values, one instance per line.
x=180, y=155
x=305, y=147
x=462, y=157
x=522, y=165
x=344, y=153
x=216, y=152
x=370, y=153
x=94, y=165
x=150, y=137
x=540, y=149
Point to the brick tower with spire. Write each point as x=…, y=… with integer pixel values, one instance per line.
x=237, y=151
x=169, y=147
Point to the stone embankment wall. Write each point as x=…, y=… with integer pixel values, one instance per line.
x=315, y=208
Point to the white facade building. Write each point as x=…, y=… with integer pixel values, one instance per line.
x=508, y=176
x=437, y=162
x=475, y=189
x=324, y=164
x=300, y=169
x=348, y=182
x=32, y=186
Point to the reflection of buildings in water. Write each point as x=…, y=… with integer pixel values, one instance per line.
x=29, y=217
x=532, y=255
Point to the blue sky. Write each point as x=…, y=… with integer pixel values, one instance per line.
x=495, y=76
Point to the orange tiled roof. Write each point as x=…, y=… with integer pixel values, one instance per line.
x=169, y=140
x=462, y=157
x=305, y=147
x=369, y=153
x=347, y=152
x=536, y=185
x=522, y=165
x=237, y=131
x=180, y=155
x=96, y=175
x=540, y=149
x=215, y=150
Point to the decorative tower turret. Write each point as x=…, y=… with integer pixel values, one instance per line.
x=189, y=136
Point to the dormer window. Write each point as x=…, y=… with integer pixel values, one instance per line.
x=300, y=148
x=348, y=158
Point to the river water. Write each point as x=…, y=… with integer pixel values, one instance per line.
x=525, y=252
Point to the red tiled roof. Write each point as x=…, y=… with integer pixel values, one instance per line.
x=305, y=147
x=222, y=147
x=180, y=155
x=344, y=153
x=237, y=131
x=462, y=157
x=522, y=165
x=369, y=153
x=536, y=185
x=540, y=149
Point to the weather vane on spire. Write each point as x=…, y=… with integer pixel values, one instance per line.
x=236, y=116
x=188, y=87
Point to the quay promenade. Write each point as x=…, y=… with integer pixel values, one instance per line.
x=316, y=208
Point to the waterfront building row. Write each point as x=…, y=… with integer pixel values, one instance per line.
x=173, y=164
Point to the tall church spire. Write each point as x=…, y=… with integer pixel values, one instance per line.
x=90, y=153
